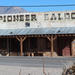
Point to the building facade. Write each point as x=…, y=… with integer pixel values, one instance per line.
x=38, y=34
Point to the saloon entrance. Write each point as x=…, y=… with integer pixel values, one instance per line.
x=48, y=45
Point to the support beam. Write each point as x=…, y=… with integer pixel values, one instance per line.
x=21, y=47
x=73, y=48
x=21, y=39
x=52, y=45
x=51, y=39
x=8, y=46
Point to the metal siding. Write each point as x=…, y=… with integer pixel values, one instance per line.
x=31, y=31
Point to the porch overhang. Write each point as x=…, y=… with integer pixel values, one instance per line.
x=38, y=31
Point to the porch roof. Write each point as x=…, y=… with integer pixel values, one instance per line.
x=37, y=31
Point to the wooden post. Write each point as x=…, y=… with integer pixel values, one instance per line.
x=52, y=45
x=8, y=46
x=73, y=48
x=21, y=47
x=21, y=39
x=51, y=39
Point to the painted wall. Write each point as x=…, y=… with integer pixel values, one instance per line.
x=37, y=20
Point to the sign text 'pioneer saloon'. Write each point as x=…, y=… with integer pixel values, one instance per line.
x=34, y=16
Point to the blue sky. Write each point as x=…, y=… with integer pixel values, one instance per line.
x=39, y=2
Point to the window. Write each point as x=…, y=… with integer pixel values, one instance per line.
x=27, y=24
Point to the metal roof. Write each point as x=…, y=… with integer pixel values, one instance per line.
x=36, y=31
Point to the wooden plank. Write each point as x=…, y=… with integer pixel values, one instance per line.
x=55, y=37
x=18, y=38
x=21, y=47
x=8, y=46
x=52, y=45
x=21, y=39
x=24, y=38
x=49, y=38
x=42, y=35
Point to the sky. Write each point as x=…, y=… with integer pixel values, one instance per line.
x=39, y=2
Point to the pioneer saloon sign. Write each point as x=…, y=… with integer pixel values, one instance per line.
x=18, y=18
x=39, y=19
x=33, y=17
x=59, y=16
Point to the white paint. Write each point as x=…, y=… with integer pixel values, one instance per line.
x=41, y=22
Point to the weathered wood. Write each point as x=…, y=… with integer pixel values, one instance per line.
x=21, y=47
x=54, y=37
x=42, y=35
x=49, y=38
x=52, y=45
x=73, y=48
x=29, y=43
x=21, y=39
x=18, y=38
x=8, y=46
